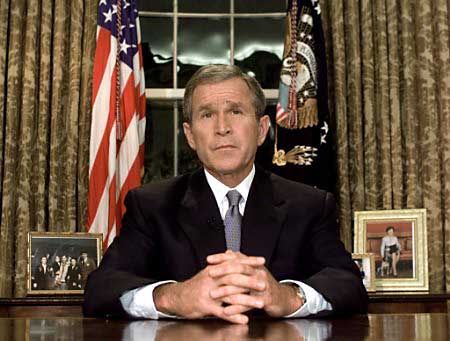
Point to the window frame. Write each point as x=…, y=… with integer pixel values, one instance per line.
x=175, y=94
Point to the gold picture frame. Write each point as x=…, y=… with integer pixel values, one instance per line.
x=398, y=240
x=59, y=263
x=366, y=265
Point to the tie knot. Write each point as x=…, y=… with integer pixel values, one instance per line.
x=233, y=197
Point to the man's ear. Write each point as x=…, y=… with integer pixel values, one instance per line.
x=263, y=128
x=189, y=136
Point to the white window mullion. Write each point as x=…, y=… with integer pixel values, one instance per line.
x=232, y=32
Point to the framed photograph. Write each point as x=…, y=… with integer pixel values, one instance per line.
x=59, y=263
x=366, y=265
x=398, y=240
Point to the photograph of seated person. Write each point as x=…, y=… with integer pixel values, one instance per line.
x=390, y=252
x=231, y=239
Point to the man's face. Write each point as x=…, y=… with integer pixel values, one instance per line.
x=64, y=259
x=44, y=260
x=224, y=130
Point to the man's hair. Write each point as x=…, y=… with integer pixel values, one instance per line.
x=390, y=228
x=216, y=73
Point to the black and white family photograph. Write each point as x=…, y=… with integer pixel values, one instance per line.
x=61, y=263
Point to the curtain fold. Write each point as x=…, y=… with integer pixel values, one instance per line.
x=339, y=82
x=45, y=120
x=354, y=101
x=443, y=80
x=22, y=210
x=390, y=88
x=12, y=119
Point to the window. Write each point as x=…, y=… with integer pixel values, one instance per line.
x=178, y=37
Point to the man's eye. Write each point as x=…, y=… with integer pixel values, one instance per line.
x=206, y=115
x=237, y=112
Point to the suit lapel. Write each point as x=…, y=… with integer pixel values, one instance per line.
x=263, y=218
x=200, y=218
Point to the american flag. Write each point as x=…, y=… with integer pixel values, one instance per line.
x=116, y=153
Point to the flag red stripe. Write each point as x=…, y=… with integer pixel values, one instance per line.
x=128, y=102
x=99, y=173
x=132, y=181
x=111, y=208
x=101, y=59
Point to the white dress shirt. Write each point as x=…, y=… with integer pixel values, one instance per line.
x=139, y=302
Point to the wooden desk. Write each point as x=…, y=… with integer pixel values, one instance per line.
x=408, y=302
x=372, y=327
x=56, y=306
x=70, y=306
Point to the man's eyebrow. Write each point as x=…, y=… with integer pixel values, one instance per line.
x=229, y=106
x=233, y=105
x=205, y=107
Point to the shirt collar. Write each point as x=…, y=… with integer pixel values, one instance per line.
x=220, y=190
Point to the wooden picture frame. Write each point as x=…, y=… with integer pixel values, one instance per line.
x=59, y=263
x=366, y=264
x=398, y=240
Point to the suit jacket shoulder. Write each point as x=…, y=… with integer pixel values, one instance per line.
x=299, y=193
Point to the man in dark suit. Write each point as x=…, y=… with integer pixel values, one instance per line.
x=87, y=265
x=73, y=278
x=42, y=275
x=229, y=238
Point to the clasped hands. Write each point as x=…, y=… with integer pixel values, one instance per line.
x=229, y=286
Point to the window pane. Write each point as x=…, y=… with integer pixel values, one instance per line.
x=264, y=153
x=209, y=6
x=187, y=158
x=158, y=162
x=201, y=42
x=259, y=6
x=157, y=52
x=155, y=5
x=260, y=49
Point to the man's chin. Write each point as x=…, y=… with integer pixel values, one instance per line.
x=227, y=170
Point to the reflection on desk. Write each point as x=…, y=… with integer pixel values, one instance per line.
x=213, y=330
x=371, y=327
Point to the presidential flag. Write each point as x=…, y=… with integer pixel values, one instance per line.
x=302, y=148
x=116, y=152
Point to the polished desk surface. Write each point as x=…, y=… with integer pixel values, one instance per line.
x=433, y=326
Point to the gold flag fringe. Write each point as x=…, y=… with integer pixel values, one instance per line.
x=299, y=155
x=306, y=116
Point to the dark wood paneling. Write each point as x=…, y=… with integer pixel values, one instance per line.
x=379, y=303
x=410, y=307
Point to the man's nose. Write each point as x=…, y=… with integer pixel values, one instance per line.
x=223, y=124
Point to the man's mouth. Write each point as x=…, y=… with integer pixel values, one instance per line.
x=225, y=147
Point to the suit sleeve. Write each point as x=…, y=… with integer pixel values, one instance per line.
x=126, y=265
x=337, y=277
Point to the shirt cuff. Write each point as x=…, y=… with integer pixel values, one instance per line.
x=139, y=302
x=315, y=302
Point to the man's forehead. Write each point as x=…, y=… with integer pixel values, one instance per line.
x=235, y=93
x=229, y=86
